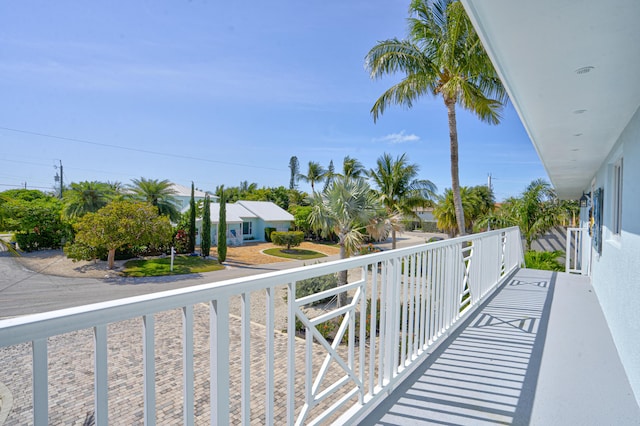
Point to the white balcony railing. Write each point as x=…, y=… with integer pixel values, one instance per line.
x=578, y=251
x=400, y=304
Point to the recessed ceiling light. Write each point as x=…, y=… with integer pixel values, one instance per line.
x=580, y=111
x=584, y=70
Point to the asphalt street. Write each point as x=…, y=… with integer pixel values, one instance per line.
x=24, y=292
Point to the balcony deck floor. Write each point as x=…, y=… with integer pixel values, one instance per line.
x=537, y=352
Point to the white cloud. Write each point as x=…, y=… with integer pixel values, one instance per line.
x=396, y=138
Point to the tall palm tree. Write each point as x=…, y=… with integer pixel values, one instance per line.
x=246, y=188
x=346, y=208
x=352, y=168
x=399, y=190
x=118, y=191
x=159, y=193
x=329, y=175
x=294, y=166
x=315, y=173
x=86, y=197
x=536, y=211
x=444, y=57
x=445, y=213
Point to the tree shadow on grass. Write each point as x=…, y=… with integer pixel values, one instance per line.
x=298, y=254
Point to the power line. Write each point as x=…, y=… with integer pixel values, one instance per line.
x=22, y=186
x=66, y=167
x=145, y=151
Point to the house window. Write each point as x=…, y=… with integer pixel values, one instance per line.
x=246, y=228
x=616, y=225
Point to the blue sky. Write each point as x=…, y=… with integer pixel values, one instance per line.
x=219, y=92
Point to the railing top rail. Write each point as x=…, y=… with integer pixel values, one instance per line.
x=31, y=327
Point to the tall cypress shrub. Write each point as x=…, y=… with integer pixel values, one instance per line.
x=222, y=227
x=205, y=243
x=192, y=221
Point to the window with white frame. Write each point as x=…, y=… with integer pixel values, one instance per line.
x=616, y=225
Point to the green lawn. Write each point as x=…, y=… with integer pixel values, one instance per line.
x=161, y=266
x=298, y=254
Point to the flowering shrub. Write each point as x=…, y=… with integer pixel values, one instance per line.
x=181, y=241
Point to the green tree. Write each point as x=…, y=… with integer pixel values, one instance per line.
x=35, y=217
x=288, y=239
x=329, y=175
x=205, y=243
x=536, y=211
x=296, y=198
x=86, y=197
x=315, y=173
x=278, y=195
x=347, y=208
x=444, y=211
x=399, y=189
x=352, y=168
x=294, y=166
x=192, y=220
x=486, y=202
x=222, y=227
x=8, y=201
x=301, y=219
x=232, y=193
x=119, y=224
x=158, y=193
x=117, y=189
x=246, y=188
x=442, y=56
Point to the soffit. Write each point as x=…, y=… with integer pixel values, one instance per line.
x=572, y=118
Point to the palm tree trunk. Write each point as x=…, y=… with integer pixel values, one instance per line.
x=393, y=239
x=455, y=177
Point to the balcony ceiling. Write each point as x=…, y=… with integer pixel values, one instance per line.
x=541, y=50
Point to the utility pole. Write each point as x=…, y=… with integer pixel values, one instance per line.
x=489, y=182
x=59, y=178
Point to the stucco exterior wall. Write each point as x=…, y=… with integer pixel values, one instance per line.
x=616, y=272
x=261, y=225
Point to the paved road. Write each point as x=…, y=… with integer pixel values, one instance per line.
x=25, y=292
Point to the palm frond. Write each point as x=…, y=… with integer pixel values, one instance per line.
x=393, y=55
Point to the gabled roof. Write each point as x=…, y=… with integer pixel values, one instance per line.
x=235, y=213
x=183, y=191
x=267, y=211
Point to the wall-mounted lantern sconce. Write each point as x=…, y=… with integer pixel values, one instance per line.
x=584, y=200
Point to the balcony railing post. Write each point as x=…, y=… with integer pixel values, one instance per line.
x=40, y=382
x=291, y=351
x=149, y=375
x=270, y=357
x=187, y=363
x=101, y=375
x=219, y=353
x=245, y=342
